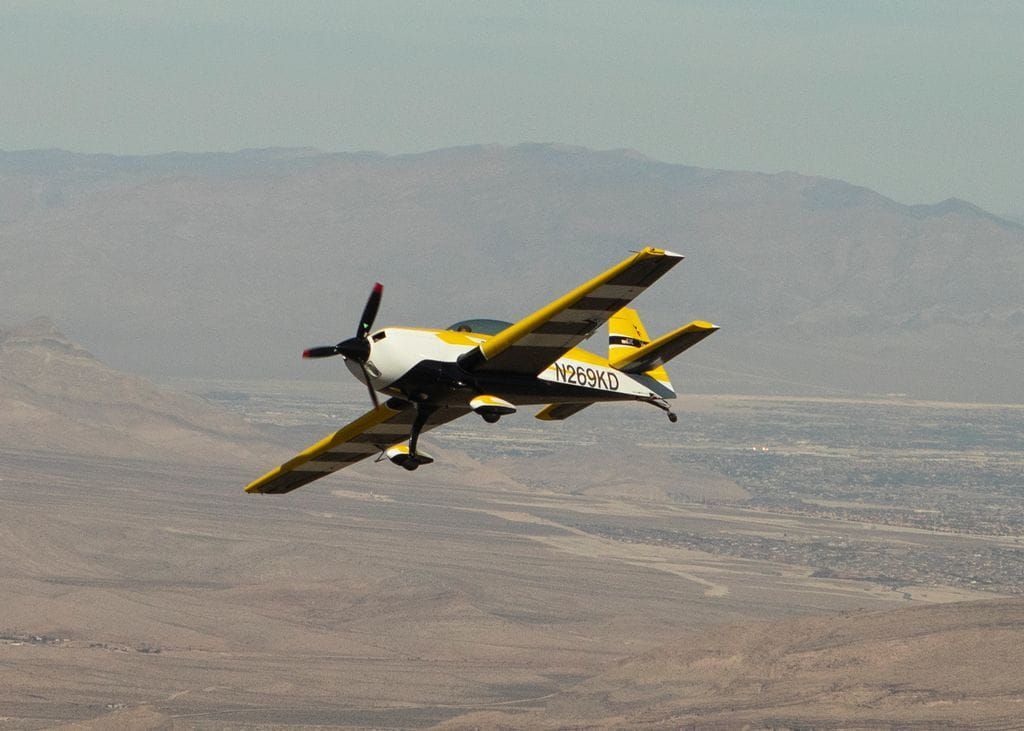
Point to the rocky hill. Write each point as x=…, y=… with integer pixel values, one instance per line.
x=56, y=397
x=230, y=264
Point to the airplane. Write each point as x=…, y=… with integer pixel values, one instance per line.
x=491, y=367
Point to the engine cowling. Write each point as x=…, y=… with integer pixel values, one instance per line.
x=491, y=408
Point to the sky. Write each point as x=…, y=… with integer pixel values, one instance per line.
x=920, y=101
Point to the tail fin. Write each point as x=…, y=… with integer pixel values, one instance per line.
x=631, y=351
x=627, y=336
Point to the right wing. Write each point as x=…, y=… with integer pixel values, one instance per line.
x=376, y=430
x=531, y=345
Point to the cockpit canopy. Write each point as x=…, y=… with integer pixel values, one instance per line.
x=480, y=325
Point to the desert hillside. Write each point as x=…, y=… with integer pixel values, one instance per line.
x=938, y=666
x=644, y=574
x=57, y=397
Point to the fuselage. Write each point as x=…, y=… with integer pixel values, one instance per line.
x=421, y=364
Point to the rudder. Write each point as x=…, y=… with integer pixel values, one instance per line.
x=627, y=335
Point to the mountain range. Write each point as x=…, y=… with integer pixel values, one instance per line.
x=229, y=264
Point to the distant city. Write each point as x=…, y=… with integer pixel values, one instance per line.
x=949, y=473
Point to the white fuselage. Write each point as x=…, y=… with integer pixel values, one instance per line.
x=403, y=360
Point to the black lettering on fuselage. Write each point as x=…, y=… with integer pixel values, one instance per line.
x=586, y=376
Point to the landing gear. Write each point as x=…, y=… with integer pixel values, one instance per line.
x=663, y=405
x=400, y=456
x=423, y=412
x=407, y=456
x=491, y=408
x=413, y=462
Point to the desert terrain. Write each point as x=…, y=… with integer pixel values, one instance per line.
x=399, y=602
x=528, y=579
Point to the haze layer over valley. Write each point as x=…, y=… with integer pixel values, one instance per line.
x=227, y=265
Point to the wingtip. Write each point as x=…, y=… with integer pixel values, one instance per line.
x=256, y=486
x=655, y=251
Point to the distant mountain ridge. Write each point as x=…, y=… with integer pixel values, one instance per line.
x=231, y=263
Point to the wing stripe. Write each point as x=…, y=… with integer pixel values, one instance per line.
x=561, y=342
x=380, y=428
x=643, y=274
x=535, y=342
x=617, y=290
x=325, y=466
x=578, y=315
x=536, y=354
x=348, y=450
x=605, y=304
x=558, y=327
x=290, y=481
x=376, y=437
x=395, y=426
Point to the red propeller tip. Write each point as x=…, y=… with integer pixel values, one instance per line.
x=306, y=354
x=378, y=288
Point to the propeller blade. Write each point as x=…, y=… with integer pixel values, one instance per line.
x=356, y=349
x=373, y=393
x=324, y=351
x=370, y=311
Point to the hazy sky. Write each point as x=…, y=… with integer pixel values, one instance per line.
x=918, y=100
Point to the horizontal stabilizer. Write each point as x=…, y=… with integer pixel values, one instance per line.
x=557, y=412
x=664, y=349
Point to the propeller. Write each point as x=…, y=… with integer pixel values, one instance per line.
x=356, y=349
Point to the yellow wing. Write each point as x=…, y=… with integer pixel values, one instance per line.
x=537, y=341
x=374, y=431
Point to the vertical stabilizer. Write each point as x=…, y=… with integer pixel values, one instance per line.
x=626, y=335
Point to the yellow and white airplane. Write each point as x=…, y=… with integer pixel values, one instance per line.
x=490, y=367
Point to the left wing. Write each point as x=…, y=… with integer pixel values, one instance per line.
x=535, y=342
x=374, y=431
